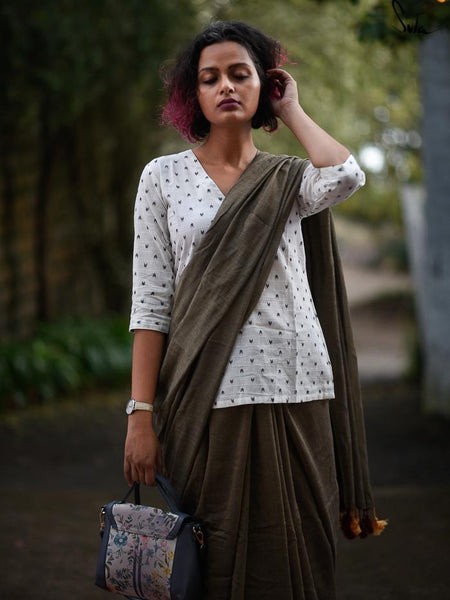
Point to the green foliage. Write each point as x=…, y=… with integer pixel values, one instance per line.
x=62, y=358
x=376, y=203
x=374, y=26
x=74, y=52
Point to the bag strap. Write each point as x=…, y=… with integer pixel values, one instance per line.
x=165, y=488
x=168, y=493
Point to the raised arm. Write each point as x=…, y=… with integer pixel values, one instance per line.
x=323, y=150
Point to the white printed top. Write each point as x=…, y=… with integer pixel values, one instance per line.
x=280, y=353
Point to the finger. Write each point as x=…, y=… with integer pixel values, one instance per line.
x=142, y=474
x=127, y=473
x=135, y=476
x=279, y=73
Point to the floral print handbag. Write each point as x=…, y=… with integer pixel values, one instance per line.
x=148, y=553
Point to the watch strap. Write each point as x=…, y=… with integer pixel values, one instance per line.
x=143, y=406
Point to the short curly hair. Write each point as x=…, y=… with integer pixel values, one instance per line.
x=182, y=110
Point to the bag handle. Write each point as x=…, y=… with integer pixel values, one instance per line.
x=165, y=489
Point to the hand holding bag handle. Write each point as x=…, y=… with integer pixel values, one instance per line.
x=165, y=488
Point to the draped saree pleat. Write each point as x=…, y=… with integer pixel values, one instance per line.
x=265, y=485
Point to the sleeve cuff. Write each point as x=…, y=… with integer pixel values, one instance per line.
x=152, y=324
x=348, y=165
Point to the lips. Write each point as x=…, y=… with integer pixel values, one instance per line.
x=230, y=101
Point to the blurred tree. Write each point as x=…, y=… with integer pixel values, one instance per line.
x=79, y=89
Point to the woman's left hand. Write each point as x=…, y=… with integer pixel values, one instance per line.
x=285, y=94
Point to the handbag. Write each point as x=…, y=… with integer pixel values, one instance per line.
x=148, y=553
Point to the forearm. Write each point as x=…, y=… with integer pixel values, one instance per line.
x=142, y=449
x=147, y=354
x=148, y=348
x=323, y=150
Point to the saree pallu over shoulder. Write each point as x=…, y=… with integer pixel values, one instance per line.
x=215, y=295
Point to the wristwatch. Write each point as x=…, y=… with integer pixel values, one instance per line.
x=134, y=405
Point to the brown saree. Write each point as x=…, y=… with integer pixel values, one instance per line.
x=267, y=480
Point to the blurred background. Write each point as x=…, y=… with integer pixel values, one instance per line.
x=80, y=99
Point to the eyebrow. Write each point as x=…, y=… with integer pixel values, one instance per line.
x=241, y=64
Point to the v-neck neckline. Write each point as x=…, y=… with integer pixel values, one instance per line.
x=196, y=159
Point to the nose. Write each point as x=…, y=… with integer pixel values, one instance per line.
x=226, y=87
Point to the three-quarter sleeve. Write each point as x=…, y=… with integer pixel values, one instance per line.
x=153, y=276
x=323, y=187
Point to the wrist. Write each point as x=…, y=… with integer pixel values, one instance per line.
x=140, y=419
x=291, y=113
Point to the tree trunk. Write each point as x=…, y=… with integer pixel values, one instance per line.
x=435, y=77
x=41, y=208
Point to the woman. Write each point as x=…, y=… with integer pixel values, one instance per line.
x=228, y=345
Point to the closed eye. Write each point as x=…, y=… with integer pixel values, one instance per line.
x=214, y=79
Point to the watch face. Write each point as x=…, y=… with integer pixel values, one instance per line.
x=130, y=407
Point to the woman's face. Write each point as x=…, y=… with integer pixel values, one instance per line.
x=228, y=84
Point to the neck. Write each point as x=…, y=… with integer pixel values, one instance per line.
x=227, y=147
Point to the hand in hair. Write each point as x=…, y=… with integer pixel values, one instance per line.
x=284, y=96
